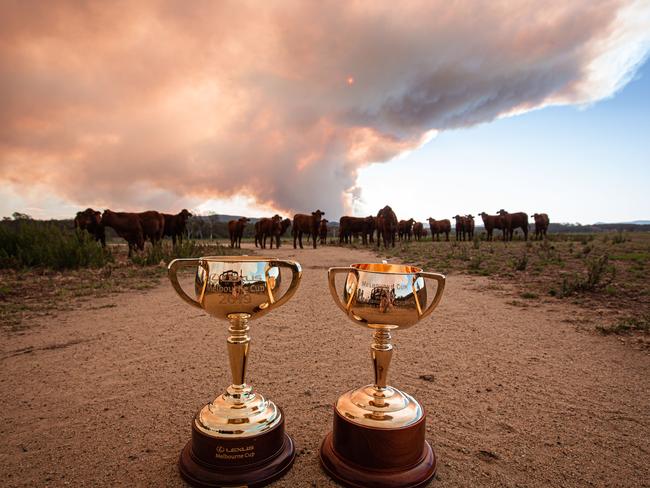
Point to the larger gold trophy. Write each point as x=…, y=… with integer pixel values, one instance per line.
x=378, y=437
x=238, y=439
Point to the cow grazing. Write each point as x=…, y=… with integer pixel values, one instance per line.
x=127, y=225
x=176, y=225
x=492, y=222
x=91, y=221
x=513, y=221
x=386, y=226
x=236, y=231
x=469, y=226
x=541, y=225
x=438, y=227
x=405, y=229
x=322, y=233
x=418, y=228
x=303, y=223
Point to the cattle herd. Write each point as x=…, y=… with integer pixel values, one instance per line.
x=136, y=228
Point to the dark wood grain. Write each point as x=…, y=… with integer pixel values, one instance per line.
x=358, y=456
x=208, y=461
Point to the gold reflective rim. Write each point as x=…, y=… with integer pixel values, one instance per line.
x=235, y=259
x=387, y=268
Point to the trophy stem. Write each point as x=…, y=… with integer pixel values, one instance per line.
x=238, y=346
x=381, y=352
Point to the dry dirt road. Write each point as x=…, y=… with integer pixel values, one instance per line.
x=104, y=396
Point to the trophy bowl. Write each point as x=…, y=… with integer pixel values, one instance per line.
x=378, y=438
x=239, y=438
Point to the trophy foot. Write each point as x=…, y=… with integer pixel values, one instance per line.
x=212, y=461
x=360, y=456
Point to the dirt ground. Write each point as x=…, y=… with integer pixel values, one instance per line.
x=104, y=395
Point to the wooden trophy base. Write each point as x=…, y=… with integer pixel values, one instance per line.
x=208, y=461
x=358, y=456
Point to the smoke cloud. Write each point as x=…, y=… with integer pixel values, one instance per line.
x=162, y=102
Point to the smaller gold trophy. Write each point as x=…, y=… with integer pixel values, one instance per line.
x=378, y=437
x=239, y=438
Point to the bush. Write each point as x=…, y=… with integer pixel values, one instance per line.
x=165, y=252
x=592, y=281
x=521, y=263
x=619, y=238
x=27, y=243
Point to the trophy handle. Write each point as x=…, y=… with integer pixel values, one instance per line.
x=171, y=274
x=331, y=276
x=296, y=276
x=440, y=278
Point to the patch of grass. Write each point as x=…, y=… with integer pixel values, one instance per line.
x=626, y=326
x=529, y=296
x=30, y=244
x=521, y=262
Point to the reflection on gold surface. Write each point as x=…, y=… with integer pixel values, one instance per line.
x=237, y=289
x=383, y=297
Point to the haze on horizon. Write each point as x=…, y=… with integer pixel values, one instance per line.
x=433, y=108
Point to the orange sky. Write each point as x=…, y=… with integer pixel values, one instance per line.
x=164, y=104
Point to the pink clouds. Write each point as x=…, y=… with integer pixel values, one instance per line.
x=107, y=104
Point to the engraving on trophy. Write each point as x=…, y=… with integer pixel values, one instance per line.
x=235, y=452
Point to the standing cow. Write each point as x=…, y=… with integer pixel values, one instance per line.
x=176, y=225
x=386, y=226
x=469, y=226
x=513, y=221
x=268, y=227
x=127, y=225
x=236, y=231
x=322, y=232
x=153, y=225
x=91, y=221
x=303, y=223
x=461, y=225
x=405, y=228
x=491, y=222
x=438, y=227
x=418, y=229
x=541, y=225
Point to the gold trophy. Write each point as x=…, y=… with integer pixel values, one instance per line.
x=378, y=437
x=239, y=438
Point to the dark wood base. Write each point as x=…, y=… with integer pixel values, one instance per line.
x=358, y=456
x=208, y=461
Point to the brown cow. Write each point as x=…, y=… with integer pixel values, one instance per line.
x=425, y=233
x=355, y=226
x=461, y=225
x=323, y=231
x=513, y=221
x=127, y=225
x=386, y=226
x=236, y=231
x=492, y=222
x=91, y=221
x=268, y=227
x=438, y=227
x=541, y=225
x=469, y=226
x=175, y=225
x=303, y=223
x=418, y=228
x=153, y=225
x=405, y=229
